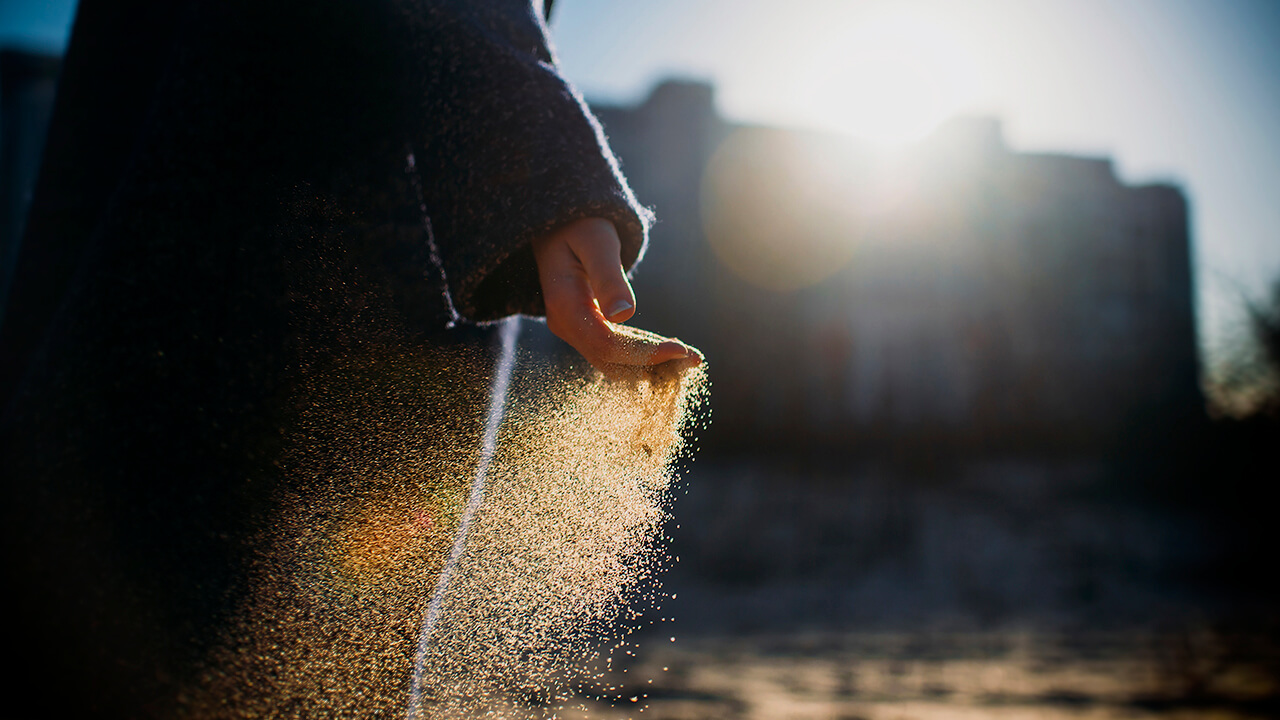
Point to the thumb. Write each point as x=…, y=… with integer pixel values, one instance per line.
x=595, y=243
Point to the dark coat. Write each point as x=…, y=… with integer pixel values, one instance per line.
x=240, y=196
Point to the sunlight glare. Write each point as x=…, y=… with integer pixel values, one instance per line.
x=893, y=79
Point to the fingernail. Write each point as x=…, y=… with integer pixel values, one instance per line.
x=618, y=308
x=673, y=345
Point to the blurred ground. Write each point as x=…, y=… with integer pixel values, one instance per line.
x=1189, y=672
x=1000, y=588
x=976, y=544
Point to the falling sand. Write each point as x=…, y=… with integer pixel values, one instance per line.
x=543, y=576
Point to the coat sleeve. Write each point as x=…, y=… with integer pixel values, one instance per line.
x=506, y=151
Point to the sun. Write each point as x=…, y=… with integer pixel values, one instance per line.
x=893, y=79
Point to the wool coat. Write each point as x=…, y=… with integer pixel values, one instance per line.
x=244, y=205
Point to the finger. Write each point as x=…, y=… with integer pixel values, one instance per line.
x=579, y=323
x=574, y=317
x=632, y=346
x=595, y=243
x=572, y=312
x=573, y=303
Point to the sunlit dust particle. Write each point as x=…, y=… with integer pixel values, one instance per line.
x=571, y=522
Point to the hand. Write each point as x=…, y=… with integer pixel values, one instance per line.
x=587, y=295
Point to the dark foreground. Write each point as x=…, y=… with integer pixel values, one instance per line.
x=1001, y=589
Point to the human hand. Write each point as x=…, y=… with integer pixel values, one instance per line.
x=587, y=297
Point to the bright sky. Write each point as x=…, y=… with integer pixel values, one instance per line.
x=1182, y=90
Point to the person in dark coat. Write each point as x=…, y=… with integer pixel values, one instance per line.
x=243, y=206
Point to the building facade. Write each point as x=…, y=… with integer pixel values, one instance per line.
x=959, y=294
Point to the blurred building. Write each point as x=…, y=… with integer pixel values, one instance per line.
x=959, y=294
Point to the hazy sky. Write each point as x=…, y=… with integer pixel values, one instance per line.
x=1181, y=90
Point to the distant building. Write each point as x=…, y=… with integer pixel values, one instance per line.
x=962, y=295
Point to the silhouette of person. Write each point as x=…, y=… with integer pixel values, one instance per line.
x=238, y=198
